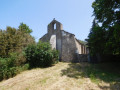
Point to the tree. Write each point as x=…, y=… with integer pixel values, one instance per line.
x=107, y=14
x=13, y=40
x=23, y=27
x=96, y=39
x=12, y=55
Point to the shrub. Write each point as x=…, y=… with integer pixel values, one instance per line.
x=9, y=67
x=41, y=55
x=12, y=43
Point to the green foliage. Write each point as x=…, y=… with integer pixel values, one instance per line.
x=9, y=68
x=12, y=40
x=24, y=28
x=98, y=72
x=105, y=39
x=12, y=44
x=107, y=12
x=96, y=39
x=41, y=55
x=102, y=72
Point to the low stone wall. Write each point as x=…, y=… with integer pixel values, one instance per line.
x=103, y=58
x=82, y=57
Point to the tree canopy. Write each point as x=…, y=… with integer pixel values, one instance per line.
x=23, y=27
x=13, y=40
x=104, y=36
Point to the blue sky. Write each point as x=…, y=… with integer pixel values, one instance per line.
x=75, y=15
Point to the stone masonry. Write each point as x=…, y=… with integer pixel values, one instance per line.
x=68, y=46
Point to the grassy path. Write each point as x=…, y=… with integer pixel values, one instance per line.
x=62, y=76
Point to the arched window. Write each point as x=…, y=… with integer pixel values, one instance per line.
x=55, y=27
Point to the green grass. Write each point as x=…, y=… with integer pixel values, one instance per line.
x=107, y=72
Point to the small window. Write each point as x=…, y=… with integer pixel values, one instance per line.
x=55, y=26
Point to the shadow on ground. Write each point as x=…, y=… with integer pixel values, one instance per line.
x=107, y=72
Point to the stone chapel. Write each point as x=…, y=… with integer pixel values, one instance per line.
x=68, y=46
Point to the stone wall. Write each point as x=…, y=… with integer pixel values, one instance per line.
x=68, y=47
x=45, y=38
x=79, y=51
x=82, y=58
x=59, y=42
x=81, y=48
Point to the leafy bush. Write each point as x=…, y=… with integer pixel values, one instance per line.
x=18, y=58
x=12, y=43
x=9, y=67
x=41, y=55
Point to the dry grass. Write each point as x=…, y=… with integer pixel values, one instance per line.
x=62, y=76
